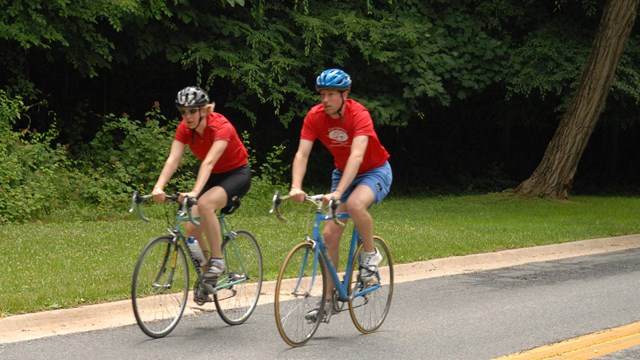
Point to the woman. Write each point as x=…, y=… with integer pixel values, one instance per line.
x=224, y=173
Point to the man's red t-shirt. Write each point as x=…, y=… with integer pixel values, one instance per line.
x=337, y=134
x=218, y=128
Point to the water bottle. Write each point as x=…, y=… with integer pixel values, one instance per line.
x=196, y=251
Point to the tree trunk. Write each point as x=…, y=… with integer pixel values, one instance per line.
x=554, y=175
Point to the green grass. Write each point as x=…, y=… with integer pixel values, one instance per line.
x=66, y=264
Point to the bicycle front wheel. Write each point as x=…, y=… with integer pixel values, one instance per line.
x=370, y=303
x=299, y=290
x=238, y=290
x=160, y=286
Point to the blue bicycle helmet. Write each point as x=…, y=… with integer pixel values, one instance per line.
x=192, y=97
x=333, y=79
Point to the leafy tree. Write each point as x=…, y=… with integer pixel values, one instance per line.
x=85, y=34
x=464, y=77
x=403, y=55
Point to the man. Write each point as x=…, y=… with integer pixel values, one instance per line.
x=362, y=176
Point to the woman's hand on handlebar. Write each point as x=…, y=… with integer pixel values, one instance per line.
x=191, y=195
x=158, y=195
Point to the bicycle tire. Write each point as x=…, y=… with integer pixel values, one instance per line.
x=298, y=292
x=369, y=311
x=243, y=260
x=158, y=290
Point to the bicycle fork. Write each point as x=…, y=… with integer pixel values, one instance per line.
x=163, y=268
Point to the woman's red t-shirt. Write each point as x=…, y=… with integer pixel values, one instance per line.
x=218, y=128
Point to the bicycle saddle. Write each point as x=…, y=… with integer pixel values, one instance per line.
x=232, y=206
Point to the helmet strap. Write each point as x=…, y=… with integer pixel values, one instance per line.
x=200, y=117
x=339, y=112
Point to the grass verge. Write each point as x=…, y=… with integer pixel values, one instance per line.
x=66, y=264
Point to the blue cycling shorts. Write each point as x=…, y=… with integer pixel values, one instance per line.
x=378, y=180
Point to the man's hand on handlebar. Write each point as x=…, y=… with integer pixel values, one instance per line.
x=297, y=195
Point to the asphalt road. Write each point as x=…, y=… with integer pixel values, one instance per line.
x=465, y=314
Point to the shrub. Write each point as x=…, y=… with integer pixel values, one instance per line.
x=268, y=176
x=38, y=178
x=35, y=174
x=132, y=154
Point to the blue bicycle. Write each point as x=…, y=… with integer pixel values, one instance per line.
x=300, y=288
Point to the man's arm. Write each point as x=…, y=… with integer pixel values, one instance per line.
x=299, y=169
x=356, y=156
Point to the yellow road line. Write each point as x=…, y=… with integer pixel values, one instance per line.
x=585, y=347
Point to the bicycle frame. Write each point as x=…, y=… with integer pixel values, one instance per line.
x=227, y=234
x=321, y=250
x=179, y=238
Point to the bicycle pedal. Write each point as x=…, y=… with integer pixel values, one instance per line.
x=237, y=277
x=372, y=281
x=201, y=300
x=327, y=317
x=210, y=286
x=201, y=296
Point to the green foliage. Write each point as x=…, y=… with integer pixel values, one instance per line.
x=269, y=174
x=436, y=65
x=626, y=85
x=549, y=59
x=273, y=169
x=84, y=32
x=548, y=63
x=10, y=110
x=390, y=48
x=131, y=153
x=404, y=57
x=39, y=179
x=36, y=177
x=75, y=27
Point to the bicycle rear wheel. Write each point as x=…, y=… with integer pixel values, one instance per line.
x=299, y=289
x=369, y=306
x=239, y=288
x=160, y=286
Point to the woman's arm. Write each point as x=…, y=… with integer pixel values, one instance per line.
x=170, y=166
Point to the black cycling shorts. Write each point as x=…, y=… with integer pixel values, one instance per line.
x=236, y=182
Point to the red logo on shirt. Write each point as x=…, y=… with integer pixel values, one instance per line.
x=338, y=135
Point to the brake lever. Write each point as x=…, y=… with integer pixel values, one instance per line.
x=133, y=200
x=136, y=199
x=333, y=205
x=187, y=204
x=275, y=205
